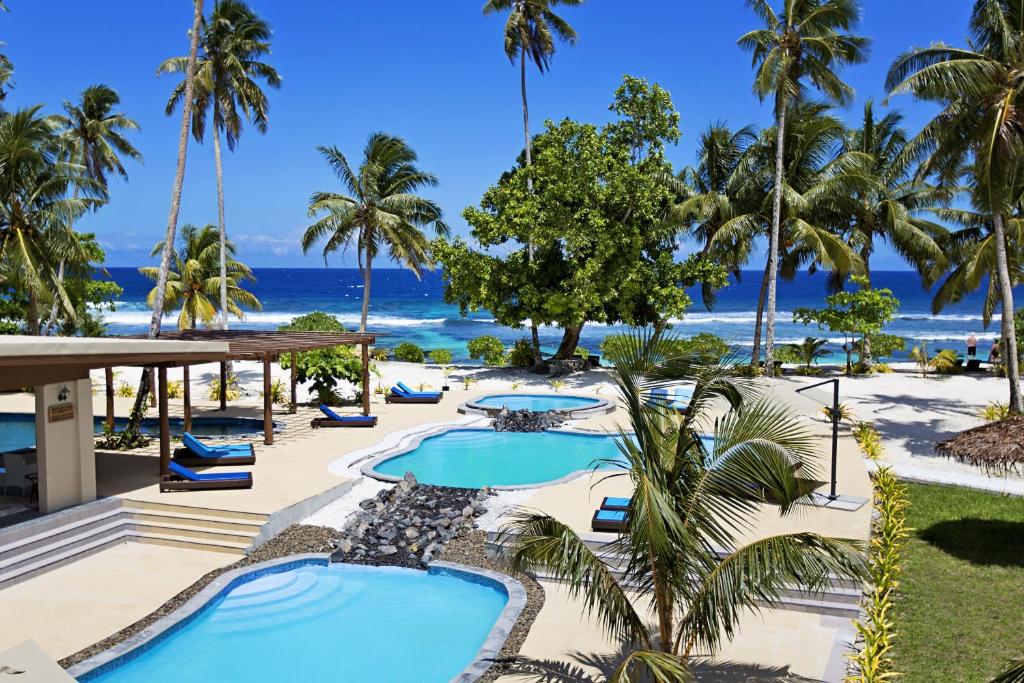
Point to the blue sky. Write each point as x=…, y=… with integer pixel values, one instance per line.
x=433, y=73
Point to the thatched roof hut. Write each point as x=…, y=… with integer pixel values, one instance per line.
x=994, y=446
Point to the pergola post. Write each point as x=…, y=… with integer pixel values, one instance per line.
x=223, y=385
x=152, y=383
x=108, y=375
x=366, y=378
x=165, y=423
x=294, y=381
x=268, y=405
x=186, y=386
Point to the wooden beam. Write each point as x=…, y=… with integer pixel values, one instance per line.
x=366, y=378
x=268, y=405
x=108, y=376
x=186, y=386
x=294, y=382
x=18, y=379
x=165, y=423
x=223, y=385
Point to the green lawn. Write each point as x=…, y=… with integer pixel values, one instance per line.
x=960, y=612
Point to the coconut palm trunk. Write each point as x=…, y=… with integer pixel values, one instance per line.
x=534, y=334
x=755, y=354
x=1008, y=328
x=220, y=223
x=773, y=244
x=367, y=276
x=139, y=409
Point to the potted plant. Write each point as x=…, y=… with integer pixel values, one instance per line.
x=446, y=371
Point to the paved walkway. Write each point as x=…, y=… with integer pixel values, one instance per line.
x=929, y=475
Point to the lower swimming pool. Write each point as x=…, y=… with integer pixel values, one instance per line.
x=474, y=458
x=18, y=430
x=320, y=622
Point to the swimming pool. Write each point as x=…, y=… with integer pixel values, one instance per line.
x=321, y=622
x=474, y=458
x=562, y=403
x=18, y=430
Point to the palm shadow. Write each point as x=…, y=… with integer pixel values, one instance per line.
x=993, y=542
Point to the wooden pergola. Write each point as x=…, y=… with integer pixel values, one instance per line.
x=263, y=346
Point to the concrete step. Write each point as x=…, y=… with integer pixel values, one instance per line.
x=195, y=511
x=55, y=545
x=189, y=532
x=35, y=566
x=32, y=539
x=209, y=522
x=176, y=541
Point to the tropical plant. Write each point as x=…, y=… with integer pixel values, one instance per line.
x=557, y=384
x=868, y=439
x=844, y=411
x=440, y=356
x=125, y=390
x=228, y=71
x=232, y=391
x=380, y=354
x=409, y=352
x=468, y=381
x=582, y=353
x=807, y=42
x=979, y=135
x=810, y=350
x=175, y=389
x=194, y=279
x=325, y=367
x=278, y=393
x=423, y=386
x=686, y=503
x=530, y=32
x=521, y=354
x=487, y=348
x=515, y=386
x=381, y=211
x=36, y=212
x=995, y=411
x=944, y=361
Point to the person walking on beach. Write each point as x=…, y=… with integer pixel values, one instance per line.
x=993, y=355
x=972, y=346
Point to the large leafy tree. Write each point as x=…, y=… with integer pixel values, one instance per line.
x=530, y=32
x=92, y=133
x=684, y=556
x=979, y=131
x=227, y=88
x=806, y=43
x=194, y=280
x=381, y=211
x=36, y=211
x=599, y=221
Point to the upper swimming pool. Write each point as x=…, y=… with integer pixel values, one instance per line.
x=18, y=430
x=537, y=402
x=326, y=622
x=474, y=458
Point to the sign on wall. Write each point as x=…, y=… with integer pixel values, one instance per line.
x=60, y=412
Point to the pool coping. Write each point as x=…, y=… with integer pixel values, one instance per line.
x=413, y=440
x=602, y=407
x=153, y=635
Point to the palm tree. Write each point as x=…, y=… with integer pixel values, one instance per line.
x=93, y=139
x=530, y=32
x=195, y=276
x=381, y=210
x=681, y=553
x=35, y=210
x=228, y=68
x=893, y=212
x=132, y=429
x=980, y=130
x=807, y=42
x=809, y=350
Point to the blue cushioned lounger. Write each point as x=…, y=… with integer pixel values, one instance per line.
x=197, y=454
x=335, y=420
x=182, y=478
x=609, y=520
x=612, y=503
x=401, y=394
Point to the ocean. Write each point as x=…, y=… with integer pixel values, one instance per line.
x=403, y=308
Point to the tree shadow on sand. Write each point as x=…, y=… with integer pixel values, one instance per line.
x=991, y=542
x=584, y=667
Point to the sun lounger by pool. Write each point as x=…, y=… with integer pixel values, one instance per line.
x=403, y=394
x=335, y=420
x=195, y=453
x=676, y=398
x=612, y=503
x=182, y=478
x=609, y=520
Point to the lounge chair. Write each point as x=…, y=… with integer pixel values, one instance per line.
x=182, y=478
x=197, y=454
x=678, y=400
x=403, y=394
x=611, y=503
x=609, y=520
x=335, y=420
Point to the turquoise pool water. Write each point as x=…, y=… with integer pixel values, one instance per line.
x=18, y=430
x=328, y=623
x=474, y=458
x=536, y=402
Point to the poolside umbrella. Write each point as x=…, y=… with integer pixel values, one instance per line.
x=994, y=446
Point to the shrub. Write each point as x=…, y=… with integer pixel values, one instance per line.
x=709, y=345
x=125, y=390
x=557, y=384
x=613, y=345
x=487, y=348
x=175, y=389
x=883, y=368
x=323, y=367
x=380, y=354
x=944, y=362
x=233, y=391
x=468, y=381
x=409, y=352
x=278, y=393
x=846, y=413
x=869, y=440
x=889, y=532
x=423, y=386
x=521, y=354
x=995, y=411
x=581, y=352
x=807, y=372
x=440, y=356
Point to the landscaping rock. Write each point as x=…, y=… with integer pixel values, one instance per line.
x=526, y=421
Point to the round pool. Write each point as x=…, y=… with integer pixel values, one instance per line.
x=566, y=404
x=18, y=430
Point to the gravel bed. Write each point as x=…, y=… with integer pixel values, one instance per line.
x=468, y=549
x=293, y=540
x=337, y=513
